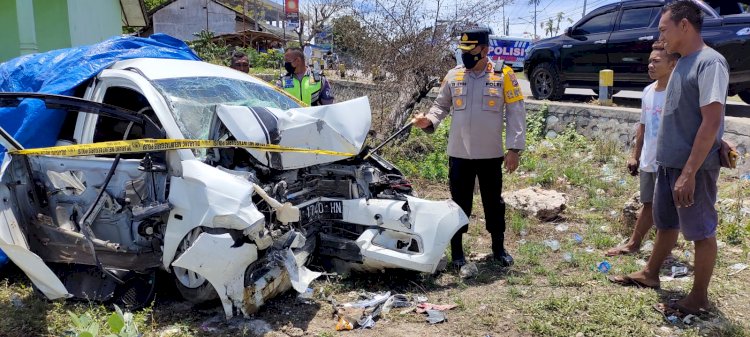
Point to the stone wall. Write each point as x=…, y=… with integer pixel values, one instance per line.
x=619, y=123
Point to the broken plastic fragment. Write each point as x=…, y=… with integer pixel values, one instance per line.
x=344, y=324
x=679, y=271
x=435, y=316
x=468, y=270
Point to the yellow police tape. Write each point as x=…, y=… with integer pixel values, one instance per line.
x=152, y=145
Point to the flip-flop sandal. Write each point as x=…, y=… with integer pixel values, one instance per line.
x=674, y=315
x=627, y=281
x=670, y=315
x=619, y=252
x=685, y=310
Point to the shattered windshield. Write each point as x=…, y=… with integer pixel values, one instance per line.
x=193, y=100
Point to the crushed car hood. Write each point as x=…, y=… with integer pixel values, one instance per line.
x=340, y=127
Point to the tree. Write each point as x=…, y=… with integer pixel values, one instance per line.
x=317, y=14
x=560, y=16
x=410, y=47
x=550, y=30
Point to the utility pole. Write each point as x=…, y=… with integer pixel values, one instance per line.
x=584, y=9
x=535, y=3
x=505, y=31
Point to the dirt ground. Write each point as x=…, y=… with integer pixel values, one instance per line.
x=543, y=294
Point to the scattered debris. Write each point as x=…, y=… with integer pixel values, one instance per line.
x=604, y=229
x=641, y=262
x=361, y=314
x=468, y=270
x=631, y=209
x=679, y=271
x=545, y=205
x=577, y=238
x=737, y=268
x=552, y=244
x=15, y=300
x=344, y=324
x=604, y=267
x=561, y=227
x=648, y=246
x=397, y=301
x=423, y=307
x=435, y=316
x=589, y=249
x=420, y=299
x=257, y=327
x=689, y=319
x=568, y=257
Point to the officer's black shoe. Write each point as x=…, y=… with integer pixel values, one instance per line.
x=458, y=263
x=504, y=259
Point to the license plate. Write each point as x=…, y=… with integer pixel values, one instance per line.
x=322, y=210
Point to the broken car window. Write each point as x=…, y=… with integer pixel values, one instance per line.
x=193, y=99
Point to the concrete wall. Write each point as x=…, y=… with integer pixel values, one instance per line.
x=619, y=123
x=51, y=22
x=9, y=39
x=30, y=26
x=184, y=18
x=93, y=21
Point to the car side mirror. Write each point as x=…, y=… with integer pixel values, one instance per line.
x=569, y=31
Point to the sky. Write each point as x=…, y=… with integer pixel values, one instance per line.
x=521, y=15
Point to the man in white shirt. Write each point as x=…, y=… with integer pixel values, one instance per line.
x=643, y=156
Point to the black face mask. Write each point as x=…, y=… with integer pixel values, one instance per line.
x=289, y=67
x=470, y=60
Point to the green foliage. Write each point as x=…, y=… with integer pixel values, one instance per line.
x=119, y=324
x=423, y=155
x=272, y=59
x=151, y=4
x=536, y=124
x=210, y=51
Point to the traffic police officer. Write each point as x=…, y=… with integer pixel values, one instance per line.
x=305, y=84
x=481, y=98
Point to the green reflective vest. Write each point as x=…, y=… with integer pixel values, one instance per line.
x=307, y=90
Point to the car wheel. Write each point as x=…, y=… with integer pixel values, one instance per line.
x=744, y=96
x=192, y=286
x=545, y=82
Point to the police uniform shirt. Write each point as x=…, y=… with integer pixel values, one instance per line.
x=480, y=103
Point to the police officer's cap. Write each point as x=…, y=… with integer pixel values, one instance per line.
x=473, y=37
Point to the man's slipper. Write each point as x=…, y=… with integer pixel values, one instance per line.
x=628, y=281
x=619, y=251
x=674, y=305
x=674, y=315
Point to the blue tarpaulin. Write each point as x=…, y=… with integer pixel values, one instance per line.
x=60, y=72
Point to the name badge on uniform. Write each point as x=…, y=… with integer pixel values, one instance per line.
x=288, y=83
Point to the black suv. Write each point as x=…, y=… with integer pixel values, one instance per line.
x=619, y=37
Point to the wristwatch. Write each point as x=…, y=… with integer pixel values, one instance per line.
x=515, y=150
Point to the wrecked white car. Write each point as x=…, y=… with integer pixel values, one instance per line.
x=235, y=223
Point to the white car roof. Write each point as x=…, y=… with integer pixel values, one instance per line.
x=155, y=69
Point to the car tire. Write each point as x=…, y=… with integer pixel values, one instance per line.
x=193, y=287
x=545, y=82
x=744, y=96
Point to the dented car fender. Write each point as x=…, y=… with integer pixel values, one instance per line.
x=208, y=197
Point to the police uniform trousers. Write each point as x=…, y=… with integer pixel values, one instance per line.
x=462, y=175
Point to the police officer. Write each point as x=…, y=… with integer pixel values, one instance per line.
x=481, y=98
x=307, y=85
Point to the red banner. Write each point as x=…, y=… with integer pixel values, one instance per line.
x=291, y=9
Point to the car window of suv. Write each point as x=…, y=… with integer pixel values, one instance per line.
x=633, y=18
x=598, y=24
